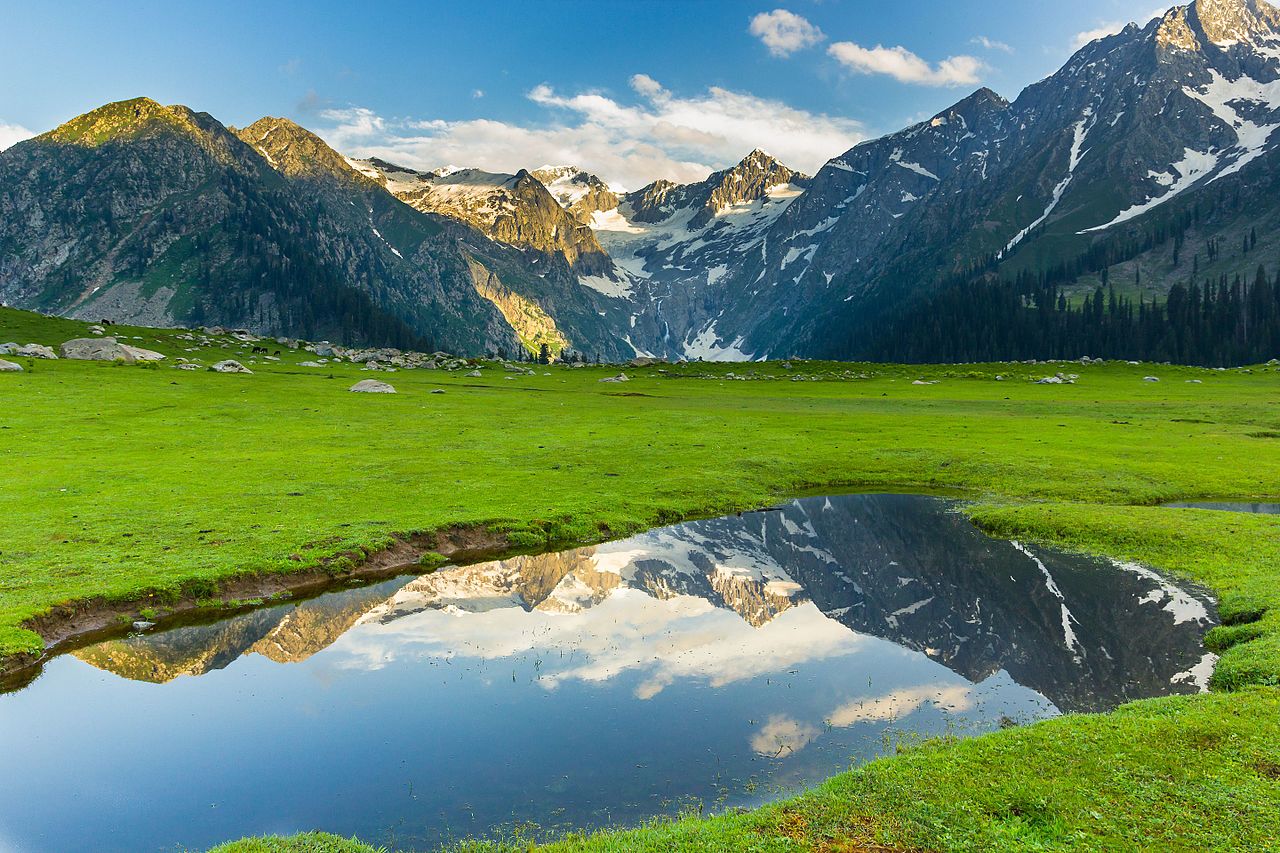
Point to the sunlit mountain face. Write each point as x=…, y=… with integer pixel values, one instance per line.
x=721, y=662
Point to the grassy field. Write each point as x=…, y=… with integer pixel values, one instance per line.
x=125, y=481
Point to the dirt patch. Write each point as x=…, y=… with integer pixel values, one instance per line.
x=90, y=620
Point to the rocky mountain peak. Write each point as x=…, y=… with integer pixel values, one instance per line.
x=295, y=151
x=581, y=193
x=131, y=119
x=981, y=103
x=1227, y=21
x=750, y=180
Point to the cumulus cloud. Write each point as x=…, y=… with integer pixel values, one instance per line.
x=905, y=67
x=784, y=33
x=12, y=134
x=991, y=44
x=628, y=142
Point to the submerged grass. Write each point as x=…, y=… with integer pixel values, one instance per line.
x=141, y=484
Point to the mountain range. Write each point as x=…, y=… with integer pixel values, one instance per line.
x=1145, y=167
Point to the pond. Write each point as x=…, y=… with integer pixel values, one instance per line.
x=1229, y=506
x=714, y=664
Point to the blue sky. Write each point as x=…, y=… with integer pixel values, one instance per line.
x=631, y=90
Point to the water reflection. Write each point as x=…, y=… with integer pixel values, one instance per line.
x=724, y=661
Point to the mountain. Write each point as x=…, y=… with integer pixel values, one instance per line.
x=1155, y=136
x=160, y=215
x=673, y=244
x=515, y=209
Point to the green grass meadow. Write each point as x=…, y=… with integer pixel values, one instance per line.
x=138, y=483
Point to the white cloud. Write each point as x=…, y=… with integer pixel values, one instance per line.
x=12, y=134
x=784, y=32
x=478, y=93
x=990, y=44
x=653, y=134
x=1101, y=31
x=904, y=66
x=1108, y=28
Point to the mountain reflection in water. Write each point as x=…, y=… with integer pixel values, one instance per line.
x=725, y=661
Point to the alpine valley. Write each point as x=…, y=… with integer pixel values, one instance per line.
x=1126, y=206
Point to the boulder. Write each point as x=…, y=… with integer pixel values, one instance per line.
x=310, y=364
x=97, y=349
x=1151, y=379
x=372, y=386
x=621, y=377
x=229, y=366
x=475, y=374
x=9, y=367
x=8, y=349
x=35, y=351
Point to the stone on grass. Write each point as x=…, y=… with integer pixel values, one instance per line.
x=35, y=351
x=99, y=349
x=621, y=377
x=9, y=367
x=229, y=366
x=475, y=374
x=372, y=386
x=1151, y=379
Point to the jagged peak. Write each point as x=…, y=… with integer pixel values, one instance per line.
x=1226, y=21
x=1220, y=22
x=293, y=150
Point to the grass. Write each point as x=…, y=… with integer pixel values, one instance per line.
x=137, y=484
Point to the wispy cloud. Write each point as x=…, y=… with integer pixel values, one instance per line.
x=990, y=44
x=1103, y=30
x=1108, y=28
x=784, y=33
x=12, y=134
x=628, y=142
x=906, y=67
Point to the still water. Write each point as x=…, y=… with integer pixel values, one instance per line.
x=713, y=664
x=1229, y=506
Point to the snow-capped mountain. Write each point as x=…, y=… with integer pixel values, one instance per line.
x=1132, y=126
x=515, y=209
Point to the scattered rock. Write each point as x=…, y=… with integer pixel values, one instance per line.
x=229, y=366
x=9, y=367
x=310, y=364
x=372, y=386
x=35, y=351
x=1151, y=379
x=475, y=374
x=142, y=625
x=1051, y=380
x=621, y=377
x=187, y=366
x=437, y=390
x=8, y=349
x=643, y=361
